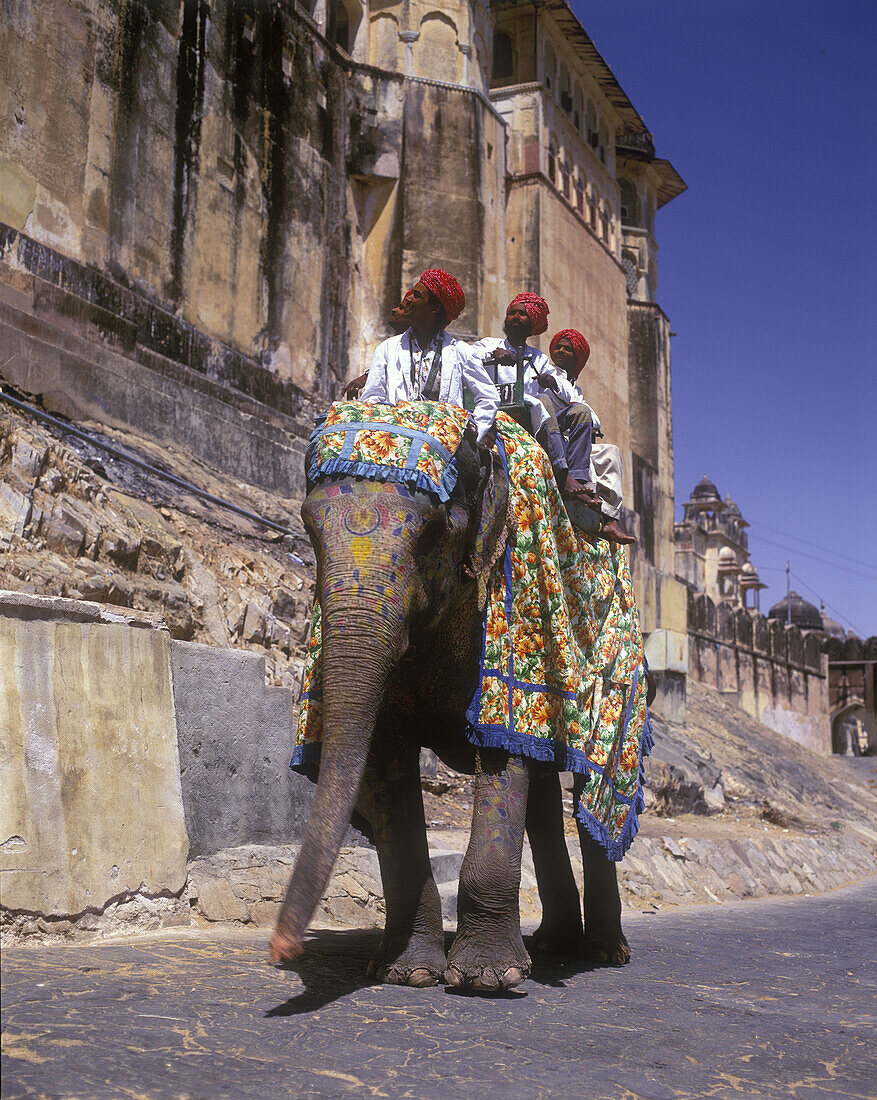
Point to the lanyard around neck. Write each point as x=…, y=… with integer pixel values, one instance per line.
x=434, y=367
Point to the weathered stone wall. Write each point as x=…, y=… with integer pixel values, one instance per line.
x=454, y=178
x=651, y=429
x=775, y=673
x=197, y=154
x=229, y=164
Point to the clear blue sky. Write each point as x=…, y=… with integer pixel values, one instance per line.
x=768, y=268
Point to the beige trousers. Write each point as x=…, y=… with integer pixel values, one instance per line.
x=607, y=469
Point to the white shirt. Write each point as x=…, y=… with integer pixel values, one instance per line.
x=389, y=377
x=536, y=362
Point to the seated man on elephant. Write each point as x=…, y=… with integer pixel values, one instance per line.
x=569, y=417
x=527, y=315
x=425, y=363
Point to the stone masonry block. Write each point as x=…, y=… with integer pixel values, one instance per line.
x=92, y=806
x=235, y=738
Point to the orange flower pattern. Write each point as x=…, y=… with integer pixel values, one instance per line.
x=562, y=674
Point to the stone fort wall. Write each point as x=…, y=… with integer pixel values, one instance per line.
x=776, y=673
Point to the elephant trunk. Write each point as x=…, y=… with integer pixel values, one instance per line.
x=359, y=651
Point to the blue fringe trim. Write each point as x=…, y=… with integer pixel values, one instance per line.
x=543, y=749
x=616, y=850
x=306, y=760
x=372, y=471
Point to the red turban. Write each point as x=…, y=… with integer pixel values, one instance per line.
x=579, y=343
x=448, y=291
x=537, y=311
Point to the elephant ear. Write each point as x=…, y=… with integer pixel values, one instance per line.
x=491, y=521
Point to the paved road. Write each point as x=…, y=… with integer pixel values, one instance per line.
x=757, y=999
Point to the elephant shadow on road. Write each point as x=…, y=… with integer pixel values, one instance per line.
x=335, y=965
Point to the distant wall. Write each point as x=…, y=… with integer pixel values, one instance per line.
x=776, y=673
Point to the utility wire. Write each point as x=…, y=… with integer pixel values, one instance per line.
x=181, y=483
x=828, y=605
x=814, y=546
x=822, y=561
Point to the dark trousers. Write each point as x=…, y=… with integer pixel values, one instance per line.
x=566, y=439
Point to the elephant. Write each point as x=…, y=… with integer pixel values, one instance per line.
x=401, y=635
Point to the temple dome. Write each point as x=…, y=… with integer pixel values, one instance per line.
x=731, y=507
x=727, y=556
x=705, y=490
x=831, y=628
x=803, y=614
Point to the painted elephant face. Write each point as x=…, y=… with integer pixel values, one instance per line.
x=393, y=552
x=382, y=548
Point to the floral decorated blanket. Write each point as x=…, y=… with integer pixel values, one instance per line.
x=413, y=444
x=562, y=673
x=562, y=670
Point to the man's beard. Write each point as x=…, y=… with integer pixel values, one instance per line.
x=516, y=333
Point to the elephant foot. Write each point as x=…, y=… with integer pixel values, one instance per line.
x=487, y=965
x=418, y=960
x=561, y=935
x=605, y=947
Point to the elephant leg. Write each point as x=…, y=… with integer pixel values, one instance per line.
x=604, y=941
x=412, y=949
x=561, y=929
x=488, y=952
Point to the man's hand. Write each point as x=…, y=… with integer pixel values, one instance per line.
x=547, y=381
x=351, y=390
x=489, y=438
x=500, y=355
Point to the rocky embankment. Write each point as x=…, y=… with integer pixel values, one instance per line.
x=77, y=522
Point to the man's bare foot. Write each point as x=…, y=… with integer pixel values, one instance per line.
x=579, y=491
x=613, y=533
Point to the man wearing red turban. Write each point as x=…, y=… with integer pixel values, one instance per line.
x=424, y=362
x=602, y=480
x=527, y=315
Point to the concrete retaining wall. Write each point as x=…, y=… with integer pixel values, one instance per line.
x=122, y=753
x=92, y=805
